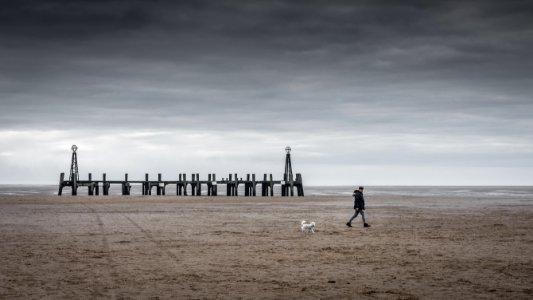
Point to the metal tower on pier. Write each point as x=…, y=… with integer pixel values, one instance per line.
x=287, y=176
x=74, y=175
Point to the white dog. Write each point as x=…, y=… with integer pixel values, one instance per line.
x=308, y=227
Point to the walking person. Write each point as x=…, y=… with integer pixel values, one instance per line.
x=359, y=206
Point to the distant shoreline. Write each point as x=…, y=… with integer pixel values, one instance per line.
x=390, y=190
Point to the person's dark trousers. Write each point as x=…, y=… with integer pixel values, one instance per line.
x=356, y=213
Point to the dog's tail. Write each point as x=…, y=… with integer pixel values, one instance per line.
x=303, y=222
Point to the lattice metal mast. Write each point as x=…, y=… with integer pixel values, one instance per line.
x=288, y=169
x=74, y=174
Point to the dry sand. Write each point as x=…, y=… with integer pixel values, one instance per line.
x=197, y=247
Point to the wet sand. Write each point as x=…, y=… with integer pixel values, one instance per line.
x=197, y=247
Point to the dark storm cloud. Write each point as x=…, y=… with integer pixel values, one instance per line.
x=281, y=25
x=68, y=19
x=259, y=60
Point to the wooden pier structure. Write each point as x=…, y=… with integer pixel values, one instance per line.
x=183, y=185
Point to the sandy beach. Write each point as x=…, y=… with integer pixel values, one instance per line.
x=203, y=248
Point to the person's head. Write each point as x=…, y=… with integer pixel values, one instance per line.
x=361, y=188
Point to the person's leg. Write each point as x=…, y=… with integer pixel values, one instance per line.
x=354, y=216
x=363, y=216
x=365, y=224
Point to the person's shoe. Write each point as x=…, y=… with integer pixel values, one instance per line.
x=348, y=224
x=366, y=225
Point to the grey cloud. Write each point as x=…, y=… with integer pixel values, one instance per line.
x=313, y=68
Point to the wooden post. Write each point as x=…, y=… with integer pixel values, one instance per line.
x=147, y=187
x=105, y=186
x=253, y=185
x=198, y=185
x=126, y=187
x=236, y=187
x=209, y=185
x=215, y=186
x=178, y=185
x=299, y=185
x=193, y=184
x=90, y=187
x=246, y=186
x=228, y=186
x=284, y=185
x=158, y=189
x=263, y=186
x=185, y=184
x=61, y=181
x=271, y=185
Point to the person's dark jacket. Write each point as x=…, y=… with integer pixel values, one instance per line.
x=358, y=200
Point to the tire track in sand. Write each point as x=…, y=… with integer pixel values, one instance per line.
x=112, y=274
x=150, y=237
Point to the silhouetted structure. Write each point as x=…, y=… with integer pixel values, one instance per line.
x=232, y=182
x=74, y=176
x=289, y=183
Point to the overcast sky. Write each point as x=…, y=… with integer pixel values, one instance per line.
x=365, y=92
